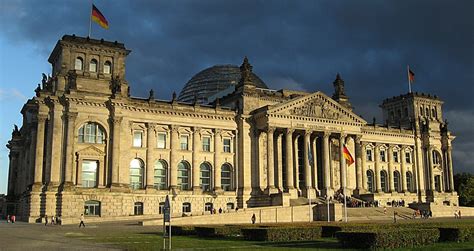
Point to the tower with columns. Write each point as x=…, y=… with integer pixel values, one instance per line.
x=87, y=146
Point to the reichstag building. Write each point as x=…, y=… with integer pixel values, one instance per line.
x=226, y=141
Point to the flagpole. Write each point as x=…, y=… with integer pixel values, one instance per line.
x=90, y=20
x=409, y=82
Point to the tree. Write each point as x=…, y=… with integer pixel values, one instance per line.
x=464, y=185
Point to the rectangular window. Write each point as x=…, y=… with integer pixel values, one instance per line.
x=89, y=173
x=184, y=142
x=382, y=156
x=206, y=144
x=137, y=138
x=186, y=207
x=227, y=145
x=369, y=154
x=395, y=157
x=161, y=137
x=407, y=157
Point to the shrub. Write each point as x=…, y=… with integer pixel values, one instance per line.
x=182, y=230
x=218, y=231
x=388, y=238
x=457, y=234
x=282, y=234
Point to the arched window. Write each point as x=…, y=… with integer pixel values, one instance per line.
x=396, y=181
x=138, y=208
x=427, y=112
x=370, y=181
x=421, y=110
x=383, y=181
x=409, y=181
x=91, y=133
x=136, y=173
x=93, y=65
x=78, y=64
x=436, y=157
x=107, y=67
x=183, y=175
x=89, y=173
x=92, y=208
x=205, y=169
x=160, y=175
x=208, y=207
x=226, y=177
x=160, y=208
x=186, y=207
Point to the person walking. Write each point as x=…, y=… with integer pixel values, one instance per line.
x=13, y=218
x=45, y=219
x=459, y=214
x=253, y=219
x=52, y=220
x=8, y=218
x=82, y=221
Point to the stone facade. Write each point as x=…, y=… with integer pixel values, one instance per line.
x=87, y=146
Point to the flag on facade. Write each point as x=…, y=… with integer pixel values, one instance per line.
x=411, y=76
x=347, y=156
x=99, y=18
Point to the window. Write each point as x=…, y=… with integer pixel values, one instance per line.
x=427, y=112
x=205, y=177
x=78, y=64
x=91, y=133
x=399, y=113
x=138, y=208
x=407, y=157
x=107, y=67
x=421, y=110
x=405, y=112
x=395, y=157
x=383, y=181
x=370, y=181
x=136, y=174
x=437, y=180
x=382, y=156
x=230, y=206
x=396, y=181
x=93, y=65
x=206, y=144
x=184, y=142
x=161, y=137
x=436, y=157
x=183, y=175
x=137, y=138
x=160, y=177
x=226, y=177
x=409, y=182
x=92, y=208
x=160, y=208
x=208, y=207
x=227, y=145
x=89, y=173
x=186, y=207
x=369, y=155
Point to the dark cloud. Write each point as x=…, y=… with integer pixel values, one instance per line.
x=301, y=44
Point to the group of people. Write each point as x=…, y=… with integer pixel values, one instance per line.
x=11, y=218
x=423, y=214
x=55, y=220
x=398, y=203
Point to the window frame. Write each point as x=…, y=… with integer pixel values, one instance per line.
x=187, y=206
x=205, y=187
x=224, y=185
x=227, y=148
x=85, y=183
x=184, y=146
x=138, y=143
x=138, y=208
x=79, y=60
x=206, y=147
x=91, y=133
x=93, y=63
x=161, y=145
x=160, y=185
x=183, y=185
x=108, y=64
x=95, y=204
x=369, y=154
x=137, y=185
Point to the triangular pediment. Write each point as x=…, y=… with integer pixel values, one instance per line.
x=91, y=151
x=316, y=105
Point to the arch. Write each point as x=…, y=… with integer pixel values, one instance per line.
x=384, y=181
x=92, y=208
x=160, y=175
x=370, y=181
x=93, y=65
x=138, y=208
x=79, y=64
x=183, y=175
x=91, y=132
x=396, y=181
x=136, y=173
x=436, y=157
x=107, y=67
x=409, y=178
x=226, y=177
x=206, y=176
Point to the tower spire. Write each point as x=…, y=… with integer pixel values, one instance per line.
x=339, y=93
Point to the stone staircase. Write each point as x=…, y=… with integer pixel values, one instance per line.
x=377, y=213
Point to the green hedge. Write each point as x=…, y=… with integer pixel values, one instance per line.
x=218, y=231
x=389, y=238
x=282, y=234
x=182, y=230
x=457, y=234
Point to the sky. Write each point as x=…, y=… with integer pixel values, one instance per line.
x=298, y=45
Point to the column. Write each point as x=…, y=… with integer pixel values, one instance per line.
x=217, y=163
x=358, y=164
x=342, y=160
x=174, y=157
x=315, y=163
x=116, y=121
x=296, y=162
x=279, y=160
x=390, y=169
x=196, y=149
x=403, y=170
x=363, y=158
x=307, y=167
x=56, y=145
x=150, y=166
x=429, y=152
x=270, y=161
x=70, y=163
x=326, y=164
x=419, y=173
x=289, y=158
x=38, y=179
x=378, y=187
x=450, y=167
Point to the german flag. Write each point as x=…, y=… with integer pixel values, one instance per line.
x=99, y=18
x=347, y=156
x=411, y=76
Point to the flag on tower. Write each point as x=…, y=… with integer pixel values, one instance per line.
x=347, y=156
x=411, y=76
x=99, y=18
